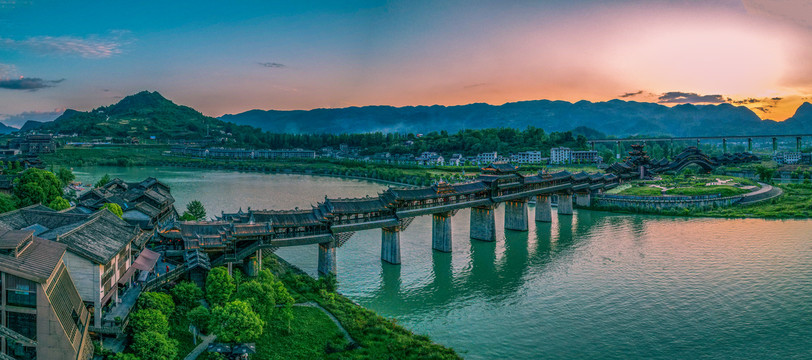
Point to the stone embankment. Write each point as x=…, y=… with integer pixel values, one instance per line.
x=659, y=203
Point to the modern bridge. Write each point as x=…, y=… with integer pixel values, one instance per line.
x=724, y=138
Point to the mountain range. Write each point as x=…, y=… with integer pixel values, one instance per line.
x=614, y=117
x=150, y=114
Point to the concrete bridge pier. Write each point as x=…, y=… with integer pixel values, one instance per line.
x=390, y=245
x=441, y=232
x=565, y=204
x=544, y=209
x=251, y=265
x=483, y=223
x=583, y=199
x=327, y=258
x=516, y=215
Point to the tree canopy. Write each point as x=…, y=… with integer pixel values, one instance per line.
x=219, y=286
x=59, y=203
x=114, y=208
x=157, y=301
x=103, y=181
x=236, y=322
x=65, y=176
x=194, y=211
x=36, y=186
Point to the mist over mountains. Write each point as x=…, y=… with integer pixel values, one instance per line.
x=614, y=117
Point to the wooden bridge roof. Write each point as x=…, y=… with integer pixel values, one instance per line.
x=500, y=168
x=580, y=176
x=354, y=206
x=561, y=175
x=287, y=218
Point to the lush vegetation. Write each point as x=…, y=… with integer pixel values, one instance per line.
x=795, y=202
x=194, y=211
x=377, y=337
x=641, y=191
x=723, y=190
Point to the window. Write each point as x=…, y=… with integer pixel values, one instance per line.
x=21, y=292
x=20, y=351
x=24, y=324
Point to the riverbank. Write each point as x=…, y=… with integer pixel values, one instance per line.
x=795, y=201
x=396, y=174
x=376, y=337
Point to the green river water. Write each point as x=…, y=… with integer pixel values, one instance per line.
x=590, y=285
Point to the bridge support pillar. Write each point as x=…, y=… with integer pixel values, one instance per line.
x=251, y=266
x=390, y=245
x=544, y=209
x=724, y=146
x=749, y=144
x=483, y=223
x=775, y=145
x=583, y=199
x=798, y=143
x=441, y=232
x=327, y=258
x=565, y=204
x=516, y=215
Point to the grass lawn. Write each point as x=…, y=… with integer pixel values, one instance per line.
x=723, y=190
x=179, y=330
x=311, y=331
x=641, y=191
x=795, y=202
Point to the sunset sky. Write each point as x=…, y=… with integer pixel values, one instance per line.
x=220, y=58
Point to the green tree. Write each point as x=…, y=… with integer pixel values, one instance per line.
x=65, y=176
x=236, y=322
x=103, y=181
x=187, y=295
x=150, y=345
x=148, y=320
x=219, y=286
x=194, y=211
x=114, y=208
x=59, y=203
x=36, y=186
x=764, y=173
x=123, y=356
x=200, y=317
x=261, y=296
x=7, y=203
x=157, y=301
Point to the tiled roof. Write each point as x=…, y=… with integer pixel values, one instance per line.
x=36, y=262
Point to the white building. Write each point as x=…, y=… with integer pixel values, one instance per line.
x=560, y=155
x=430, y=159
x=788, y=157
x=486, y=158
x=526, y=157
x=456, y=160
x=586, y=156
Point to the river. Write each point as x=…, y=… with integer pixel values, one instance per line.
x=591, y=285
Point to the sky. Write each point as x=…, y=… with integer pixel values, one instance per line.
x=229, y=57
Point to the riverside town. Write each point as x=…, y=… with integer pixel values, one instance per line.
x=394, y=180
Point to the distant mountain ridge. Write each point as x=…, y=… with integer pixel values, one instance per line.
x=140, y=115
x=614, y=117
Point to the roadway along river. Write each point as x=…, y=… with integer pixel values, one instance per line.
x=592, y=285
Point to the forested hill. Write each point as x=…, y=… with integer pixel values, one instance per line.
x=615, y=117
x=140, y=115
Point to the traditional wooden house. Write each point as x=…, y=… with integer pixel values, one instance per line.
x=99, y=251
x=144, y=203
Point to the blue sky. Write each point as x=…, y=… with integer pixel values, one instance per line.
x=222, y=57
